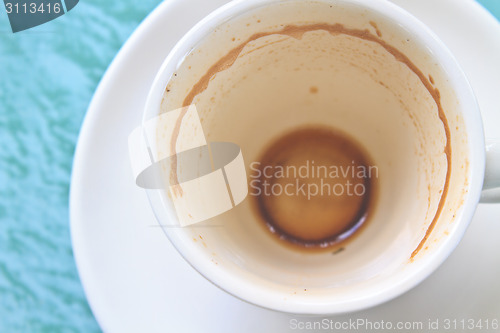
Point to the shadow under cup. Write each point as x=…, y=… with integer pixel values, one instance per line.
x=354, y=70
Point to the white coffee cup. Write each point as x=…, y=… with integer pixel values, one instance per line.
x=380, y=89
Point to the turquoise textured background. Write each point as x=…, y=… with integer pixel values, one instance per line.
x=47, y=77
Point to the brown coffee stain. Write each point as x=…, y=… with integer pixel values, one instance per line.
x=334, y=168
x=296, y=31
x=374, y=25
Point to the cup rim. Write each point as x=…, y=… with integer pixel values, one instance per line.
x=263, y=295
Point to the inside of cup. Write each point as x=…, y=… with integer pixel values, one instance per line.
x=358, y=72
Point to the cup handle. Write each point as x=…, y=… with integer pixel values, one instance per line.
x=492, y=172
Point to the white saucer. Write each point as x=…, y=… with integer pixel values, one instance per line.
x=134, y=279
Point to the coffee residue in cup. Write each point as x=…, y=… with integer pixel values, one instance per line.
x=297, y=31
x=314, y=187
